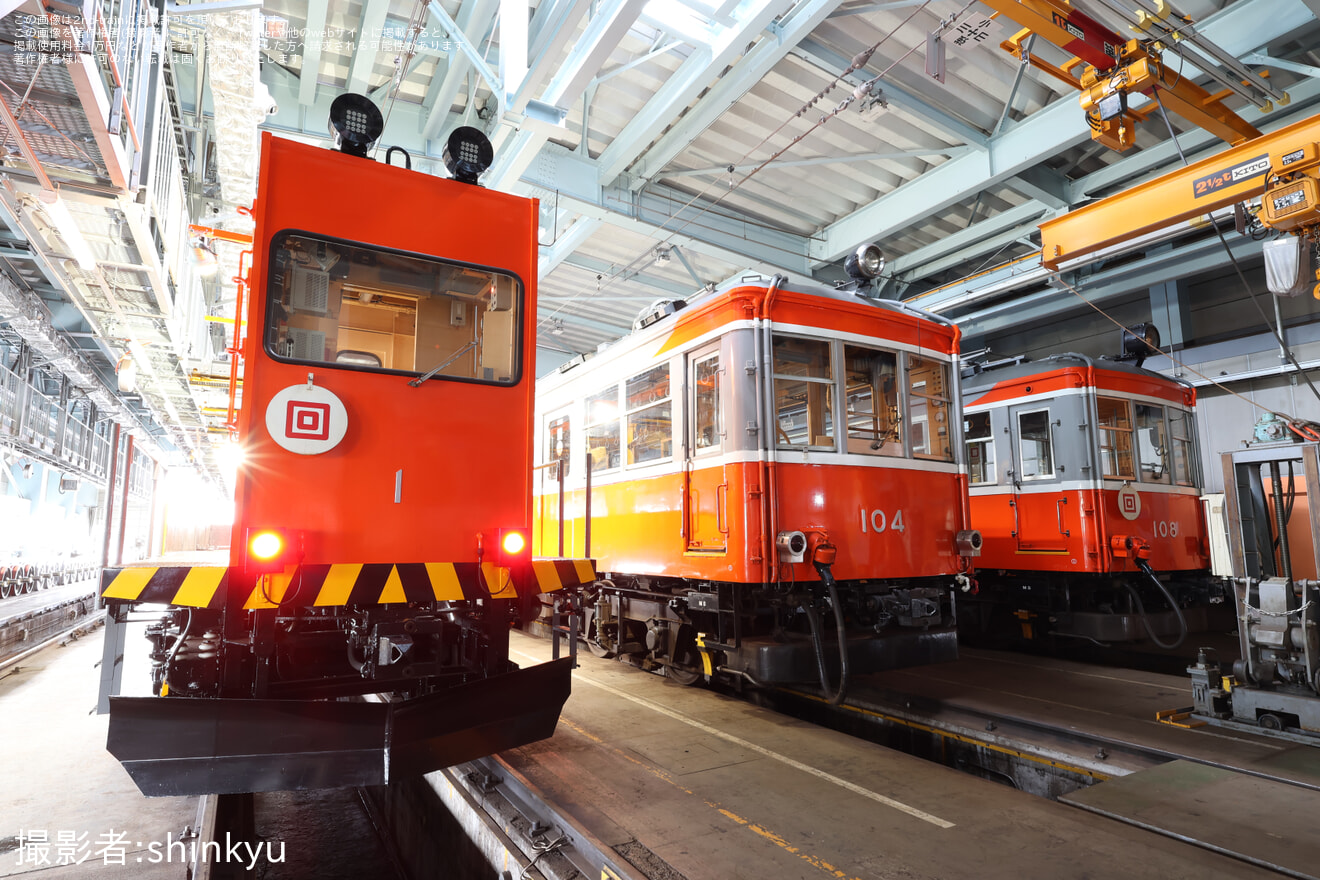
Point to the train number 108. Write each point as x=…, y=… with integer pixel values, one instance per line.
x=878, y=522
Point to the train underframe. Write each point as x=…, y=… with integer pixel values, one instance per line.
x=769, y=635
x=1017, y=607
x=278, y=699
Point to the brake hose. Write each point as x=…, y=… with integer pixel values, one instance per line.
x=827, y=578
x=1141, y=610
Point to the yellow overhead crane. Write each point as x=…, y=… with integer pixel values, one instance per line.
x=1281, y=168
x=1112, y=68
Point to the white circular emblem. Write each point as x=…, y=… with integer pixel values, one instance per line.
x=1129, y=503
x=306, y=419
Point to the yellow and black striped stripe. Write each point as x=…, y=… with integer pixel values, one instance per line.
x=344, y=583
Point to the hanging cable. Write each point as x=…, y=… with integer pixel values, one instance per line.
x=1283, y=346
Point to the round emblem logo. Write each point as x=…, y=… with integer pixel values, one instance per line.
x=306, y=419
x=1129, y=503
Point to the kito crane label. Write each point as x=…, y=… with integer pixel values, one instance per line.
x=1213, y=183
x=306, y=419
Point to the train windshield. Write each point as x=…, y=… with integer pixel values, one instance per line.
x=351, y=305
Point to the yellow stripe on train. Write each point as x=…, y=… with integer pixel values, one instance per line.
x=197, y=586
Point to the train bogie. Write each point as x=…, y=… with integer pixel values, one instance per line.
x=771, y=478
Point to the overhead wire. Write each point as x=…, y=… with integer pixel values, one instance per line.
x=858, y=62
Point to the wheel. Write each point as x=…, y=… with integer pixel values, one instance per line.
x=681, y=675
x=1270, y=721
x=592, y=638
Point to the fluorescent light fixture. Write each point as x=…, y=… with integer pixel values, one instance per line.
x=67, y=227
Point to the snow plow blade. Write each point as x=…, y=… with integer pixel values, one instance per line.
x=174, y=746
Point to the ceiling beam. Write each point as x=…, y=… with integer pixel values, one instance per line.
x=895, y=93
x=1239, y=29
x=564, y=245
x=312, y=45
x=475, y=18
x=750, y=70
x=603, y=33
x=964, y=241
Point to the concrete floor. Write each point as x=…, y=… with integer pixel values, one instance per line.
x=57, y=779
x=710, y=787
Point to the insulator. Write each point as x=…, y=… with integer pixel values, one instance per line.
x=862, y=90
x=861, y=58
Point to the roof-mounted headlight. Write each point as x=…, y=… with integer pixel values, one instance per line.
x=467, y=154
x=865, y=263
x=356, y=124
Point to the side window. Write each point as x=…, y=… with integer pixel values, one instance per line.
x=603, y=429
x=928, y=408
x=980, y=449
x=1116, y=439
x=804, y=392
x=870, y=395
x=1035, y=445
x=650, y=422
x=708, y=427
x=1180, y=442
x=557, y=444
x=1152, y=446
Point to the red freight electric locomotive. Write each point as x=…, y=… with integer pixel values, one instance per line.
x=1085, y=483
x=384, y=505
x=769, y=477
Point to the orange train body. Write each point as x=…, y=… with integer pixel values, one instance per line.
x=1084, y=474
x=383, y=507
x=749, y=454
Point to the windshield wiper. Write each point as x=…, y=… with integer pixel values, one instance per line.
x=431, y=372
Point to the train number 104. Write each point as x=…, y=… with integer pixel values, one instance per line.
x=878, y=522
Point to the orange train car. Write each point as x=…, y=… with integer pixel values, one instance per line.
x=770, y=479
x=383, y=509
x=1085, y=484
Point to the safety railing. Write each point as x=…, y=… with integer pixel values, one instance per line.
x=39, y=423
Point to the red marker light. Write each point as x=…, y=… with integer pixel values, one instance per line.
x=514, y=543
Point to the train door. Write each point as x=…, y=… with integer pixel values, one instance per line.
x=1035, y=472
x=706, y=484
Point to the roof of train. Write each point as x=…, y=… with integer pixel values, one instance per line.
x=665, y=323
x=979, y=376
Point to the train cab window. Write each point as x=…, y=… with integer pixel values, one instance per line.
x=1115, y=421
x=708, y=426
x=980, y=449
x=1180, y=445
x=928, y=408
x=603, y=429
x=870, y=398
x=557, y=441
x=650, y=422
x=1035, y=445
x=367, y=308
x=1152, y=447
x=804, y=392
